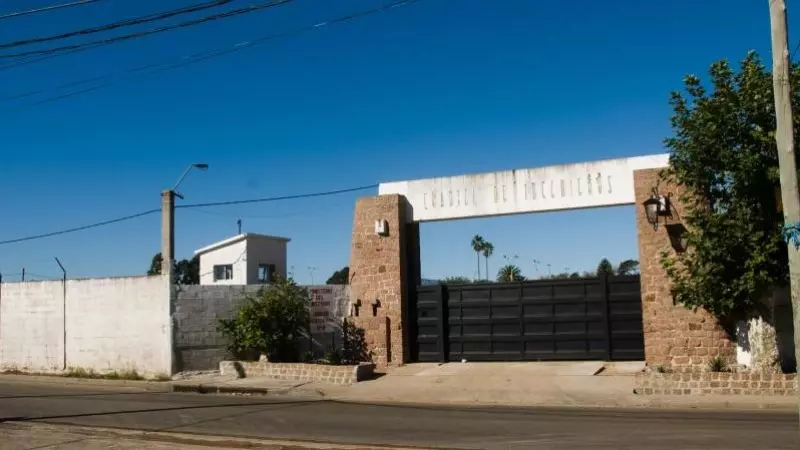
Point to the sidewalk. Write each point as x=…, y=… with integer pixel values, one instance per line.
x=545, y=384
x=494, y=384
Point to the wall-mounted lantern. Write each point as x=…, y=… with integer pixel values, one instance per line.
x=656, y=206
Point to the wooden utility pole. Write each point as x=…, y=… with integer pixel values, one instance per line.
x=784, y=135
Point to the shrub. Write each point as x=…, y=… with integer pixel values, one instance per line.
x=274, y=322
x=354, y=347
x=718, y=364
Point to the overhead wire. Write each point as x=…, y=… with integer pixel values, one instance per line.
x=139, y=34
x=46, y=9
x=119, y=24
x=175, y=63
x=275, y=199
x=198, y=205
x=81, y=228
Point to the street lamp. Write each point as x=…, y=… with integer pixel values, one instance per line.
x=199, y=166
x=168, y=221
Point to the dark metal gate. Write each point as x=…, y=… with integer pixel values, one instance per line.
x=581, y=319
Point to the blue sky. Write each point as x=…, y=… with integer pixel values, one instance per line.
x=439, y=87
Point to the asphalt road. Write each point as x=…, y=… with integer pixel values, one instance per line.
x=424, y=426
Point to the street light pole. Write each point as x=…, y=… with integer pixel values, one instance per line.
x=168, y=221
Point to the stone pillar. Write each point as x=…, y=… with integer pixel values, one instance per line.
x=674, y=336
x=379, y=276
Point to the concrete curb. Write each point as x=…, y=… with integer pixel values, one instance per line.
x=156, y=386
x=213, y=388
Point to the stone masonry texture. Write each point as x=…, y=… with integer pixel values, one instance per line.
x=378, y=276
x=300, y=372
x=716, y=383
x=674, y=336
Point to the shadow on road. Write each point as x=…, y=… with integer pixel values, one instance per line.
x=149, y=410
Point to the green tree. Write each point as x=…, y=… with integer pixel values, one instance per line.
x=186, y=271
x=341, y=276
x=724, y=155
x=274, y=321
x=628, y=267
x=477, y=246
x=487, y=249
x=604, y=268
x=457, y=280
x=509, y=274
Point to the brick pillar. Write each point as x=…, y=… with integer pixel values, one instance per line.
x=378, y=276
x=674, y=336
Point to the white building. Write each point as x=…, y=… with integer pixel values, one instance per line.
x=244, y=259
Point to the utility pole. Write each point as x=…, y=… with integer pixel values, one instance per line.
x=784, y=136
x=167, y=232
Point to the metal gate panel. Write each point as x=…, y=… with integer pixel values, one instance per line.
x=581, y=319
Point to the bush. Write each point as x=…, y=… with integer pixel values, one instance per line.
x=718, y=364
x=274, y=322
x=354, y=347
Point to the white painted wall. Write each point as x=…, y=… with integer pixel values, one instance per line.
x=265, y=251
x=107, y=324
x=570, y=186
x=32, y=325
x=119, y=324
x=235, y=253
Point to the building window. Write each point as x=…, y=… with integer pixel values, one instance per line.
x=223, y=272
x=266, y=273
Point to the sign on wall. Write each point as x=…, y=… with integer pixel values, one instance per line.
x=322, y=309
x=569, y=186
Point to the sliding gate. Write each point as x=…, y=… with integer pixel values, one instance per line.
x=574, y=319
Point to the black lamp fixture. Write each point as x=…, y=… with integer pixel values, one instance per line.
x=656, y=206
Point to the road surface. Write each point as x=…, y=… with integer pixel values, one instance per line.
x=423, y=426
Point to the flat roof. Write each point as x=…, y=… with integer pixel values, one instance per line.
x=238, y=238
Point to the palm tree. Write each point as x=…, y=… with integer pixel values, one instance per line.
x=487, y=249
x=477, y=247
x=509, y=274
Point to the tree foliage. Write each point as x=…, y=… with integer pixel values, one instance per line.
x=274, y=321
x=487, y=249
x=604, y=268
x=457, y=280
x=724, y=155
x=477, y=244
x=187, y=271
x=628, y=267
x=509, y=274
x=341, y=276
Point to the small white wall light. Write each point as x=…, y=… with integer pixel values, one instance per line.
x=381, y=227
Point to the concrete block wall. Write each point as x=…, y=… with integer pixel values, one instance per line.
x=32, y=325
x=101, y=324
x=198, y=344
x=119, y=324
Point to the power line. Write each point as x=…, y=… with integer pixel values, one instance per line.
x=275, y=199
x=198, y=205
x=46, y=8
x=81, y=228
x=120, y=24
x=175, y=63
x=270, y=216
x=126, y=37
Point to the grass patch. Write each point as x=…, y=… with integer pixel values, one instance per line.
x=162, y=377
x=80, y=372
